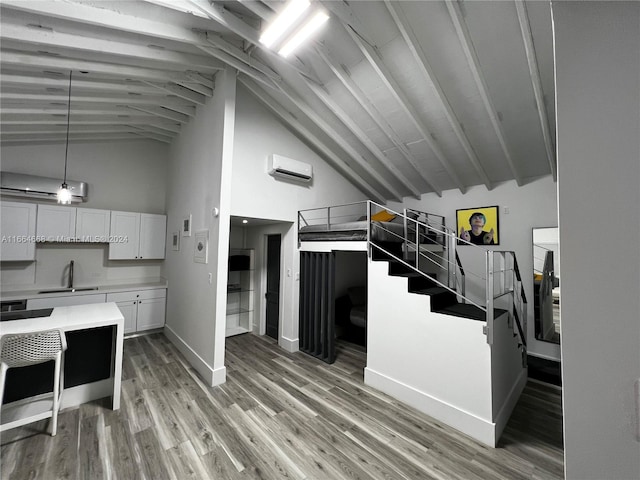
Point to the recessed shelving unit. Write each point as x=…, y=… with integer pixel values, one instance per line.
x=240, y=291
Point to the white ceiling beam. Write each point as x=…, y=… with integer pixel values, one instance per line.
x=115, y=99
x=258, y=8
x=201, y=79
x=62, y=110
x=228, y=20
x=18, y=119
x=95, y=46
x=49, y=81
x=152, y=129
x=393, y=87
x=179, y=91
x=354, y=155
x=39, y=128
x=162, y=113
x=374, y=113
x=225, y=46
x=536, y=82
x=474, y=64
x=196, y=87
x=45, y=62
x=153, y=136
x=239, y=65
x=62, y=137
x=295, y=125
x=360, y=135
x=420, y=58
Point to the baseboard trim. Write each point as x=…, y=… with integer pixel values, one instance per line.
x=211, y=376
x=470, y=424
x=510, y=402
x=290, y=345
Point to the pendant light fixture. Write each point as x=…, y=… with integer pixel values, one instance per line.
x=64, y=194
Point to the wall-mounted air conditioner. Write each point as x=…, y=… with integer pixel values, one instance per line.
x=288, y=168
x=44, y=188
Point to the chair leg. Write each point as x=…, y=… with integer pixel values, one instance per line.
x=56, y=396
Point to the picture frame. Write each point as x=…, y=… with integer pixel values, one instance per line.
x=186, y=226
x=201, y=247
x=175, y=241
x=485, y=230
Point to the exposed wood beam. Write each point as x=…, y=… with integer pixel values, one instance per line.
x=427, y=72
x=536, y=82
x=79, y=84
x=360, y=135
x=152, y=136
x=17, y=119
x=225, y=46
x=112, y=99
x=239, y=65
x=61, y=138
x=258, y=8
x=95, y=46
x=179, y=91
x=474, y=64
x=162, y=113
x=45, y=62
x=228, y=20
x=201, y=79
x=152, y=129
x=354, y=155
x=294, y=124
x=342, y=75
x=393, y=87
x=196, y=87
x=37, y=128
x=62, y=110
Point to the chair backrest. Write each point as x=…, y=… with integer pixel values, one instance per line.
x=19, y=350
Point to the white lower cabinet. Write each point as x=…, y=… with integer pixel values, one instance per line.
x=142, y=310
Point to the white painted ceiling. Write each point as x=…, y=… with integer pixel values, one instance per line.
x=403, y=97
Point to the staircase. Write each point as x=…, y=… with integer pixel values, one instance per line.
x=460, y=360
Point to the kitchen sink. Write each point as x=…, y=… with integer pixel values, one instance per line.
x=63, y=290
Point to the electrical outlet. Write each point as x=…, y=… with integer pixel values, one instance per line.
x=505, y=210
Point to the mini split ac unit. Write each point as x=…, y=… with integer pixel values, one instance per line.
x=19, y=185
x=288, y=168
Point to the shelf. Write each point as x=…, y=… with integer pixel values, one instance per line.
x=236, y=331
x=240, y=290
x=238, y=311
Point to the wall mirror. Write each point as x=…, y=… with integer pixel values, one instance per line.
x=546, y=283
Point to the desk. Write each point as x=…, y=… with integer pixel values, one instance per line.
x=80, y=317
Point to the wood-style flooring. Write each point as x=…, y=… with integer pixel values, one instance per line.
x=279, y=415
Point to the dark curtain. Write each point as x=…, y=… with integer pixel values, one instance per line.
x=317, y=311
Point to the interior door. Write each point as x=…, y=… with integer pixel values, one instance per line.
x=273, y=285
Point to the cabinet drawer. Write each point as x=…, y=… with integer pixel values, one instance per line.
x=136, y=295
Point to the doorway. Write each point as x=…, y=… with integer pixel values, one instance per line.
x=273, y=285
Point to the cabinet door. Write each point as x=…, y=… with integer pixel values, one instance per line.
x=124, y=235
x=92, y=225
x=129, y=311
x=18, y=228
x=56, y=223
x=153, y=232
x=151, y=313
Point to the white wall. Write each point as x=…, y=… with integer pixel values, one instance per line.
x=256, y=194
x=532, y=205
x=130, y=176
x=196, y=170
x=127, y=176
x=598, y=126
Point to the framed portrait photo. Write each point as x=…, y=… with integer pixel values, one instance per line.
x=201, y=247
x=478, y=226
x=186, y=226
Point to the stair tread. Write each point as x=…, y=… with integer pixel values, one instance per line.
x=431, y=291
x=469, y=311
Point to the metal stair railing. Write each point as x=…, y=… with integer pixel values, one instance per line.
x=501, y=268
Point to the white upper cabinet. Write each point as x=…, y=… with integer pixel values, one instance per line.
x=153, y=232
x=56, y=223
x=92, y=224
x=124, y=235
x=18, y=230
x=137, y=236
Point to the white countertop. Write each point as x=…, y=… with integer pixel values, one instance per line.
x=78, y=317
x=102, y=289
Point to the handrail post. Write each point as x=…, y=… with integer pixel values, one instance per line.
x=328, y=218
x=488, y=329
x=369, y=248
x=451, y=257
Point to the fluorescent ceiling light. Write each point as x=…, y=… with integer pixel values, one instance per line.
x=305, y=32
x=283, y=21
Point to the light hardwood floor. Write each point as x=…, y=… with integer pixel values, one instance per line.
x=279, y=415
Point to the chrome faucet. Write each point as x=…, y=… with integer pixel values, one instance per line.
x=70, y=275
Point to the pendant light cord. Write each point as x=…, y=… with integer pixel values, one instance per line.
x=66, y=151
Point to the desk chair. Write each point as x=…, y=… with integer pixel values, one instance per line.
x=20, y=350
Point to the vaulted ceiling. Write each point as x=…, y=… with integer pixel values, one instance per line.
x=402, y=97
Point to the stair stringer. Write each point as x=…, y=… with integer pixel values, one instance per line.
x=439, y=364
